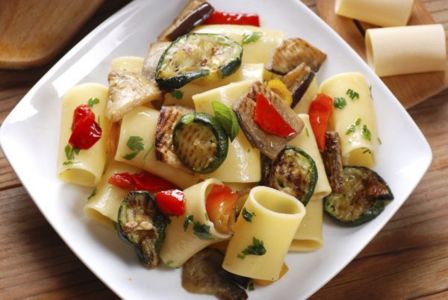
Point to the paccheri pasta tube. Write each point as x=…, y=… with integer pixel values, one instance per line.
x=378, y=12
x=136, y=147
x=405, y=50
x=263, y=233
x=242, y=163
x=83, y=166
x=353, y=117
x=192, y=232
x=105, y=200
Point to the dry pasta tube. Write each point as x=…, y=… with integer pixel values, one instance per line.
x=405, y=50
x=261, y=241
x=378, y=12
x=86, y=166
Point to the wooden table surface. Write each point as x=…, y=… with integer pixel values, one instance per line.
x=407, y=259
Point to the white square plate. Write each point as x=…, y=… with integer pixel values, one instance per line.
x=30, y=135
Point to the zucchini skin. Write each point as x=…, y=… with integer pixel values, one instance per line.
x=158, y=220
x=380, y=195
x=179, y=80
x=222, y=140
x=273, y=177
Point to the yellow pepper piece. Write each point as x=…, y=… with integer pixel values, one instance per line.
x=262, y=282
x=278, y=87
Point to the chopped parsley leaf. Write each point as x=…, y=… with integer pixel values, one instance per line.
x=70, y=153
x=92, y=101
x=257, y=248
x=250, y=286
x=202, y=231
x=247, y=215
x=92, y=194
x=251, y=37
x=366, y=133
x=352, y=127
x=307, y=132
x=339, y=102
x=177, y=94
x=135, y=143
x=352, y=94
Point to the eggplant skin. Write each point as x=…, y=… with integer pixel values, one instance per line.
x=203, y=274
x=332, y=158
x=364, y=197
x=297, y=81
x=193, y=14
x=145, y=234
x=294, y=172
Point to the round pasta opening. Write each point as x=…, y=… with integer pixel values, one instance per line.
x=276, y=201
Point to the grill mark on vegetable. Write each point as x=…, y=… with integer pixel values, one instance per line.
x=332, y=158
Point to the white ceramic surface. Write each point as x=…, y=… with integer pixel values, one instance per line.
x=29, y=137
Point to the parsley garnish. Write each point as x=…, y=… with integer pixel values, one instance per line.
x=366, y=133
x=188, y=220
x=92, y=101
x=177, y=94
x=352, y=127
x=226, y=118
x=202, y=231
x=250, y=286
x=135, y=143
x=339, y=102
x=366, y=150
x=70, y=153
x=257, y=248
x=247, y=215
x=379, y=141
x=352, y=94
x=307, y=132
x=251, y=37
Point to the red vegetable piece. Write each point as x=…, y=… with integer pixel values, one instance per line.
x=140, y=181
x=320, y=112
x=268, y=118
x=123, y=180
x=81, y=112
x=171, y=202
x=220, y=17
x=85, y=134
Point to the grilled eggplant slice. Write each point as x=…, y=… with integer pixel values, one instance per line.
x=293, y=52
x=196, y=55
x=297, y=81
x=294, y=172
x=200, y=142
x=364, y=196
x=269, y=144
x=193, y=14
x=141, y=224
x=152, y=59
x=332, y=157
x=203, y=274
x=128, y=90
x=168, y=118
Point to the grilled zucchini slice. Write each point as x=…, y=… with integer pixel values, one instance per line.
x=197, y=55
x=364, y=196
x=142, y=225
x=200, y=142
x=294, y=172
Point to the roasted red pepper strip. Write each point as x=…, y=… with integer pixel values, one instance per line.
x=140, y=181
x=320, y=112
x=171, y=202
x=220, y=17
x=85, y=130
x=268, y=118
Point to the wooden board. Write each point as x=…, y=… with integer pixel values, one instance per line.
x=33, y=31
x=409, y=89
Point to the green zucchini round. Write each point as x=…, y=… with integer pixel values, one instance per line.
x=294, y=172
x=197, y=55
x=200, y=142
x=364, y=196
x=142, y=225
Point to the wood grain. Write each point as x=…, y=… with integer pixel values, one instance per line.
x=407, y=260
x=33, y=31
x=409, y=89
